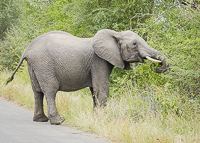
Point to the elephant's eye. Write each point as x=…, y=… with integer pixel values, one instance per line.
x=134, y=43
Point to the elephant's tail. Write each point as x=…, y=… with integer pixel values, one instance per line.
x=19, y=64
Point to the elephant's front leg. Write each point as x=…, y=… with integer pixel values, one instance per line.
x=99, y=97
x=100, y=81
x=54, y=117
x=100, y=89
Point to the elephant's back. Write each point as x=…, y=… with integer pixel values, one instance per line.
x=59, y=43
x=49, y=37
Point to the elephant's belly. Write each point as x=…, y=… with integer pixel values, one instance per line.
x=73, y=83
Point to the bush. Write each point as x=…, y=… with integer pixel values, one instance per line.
x=11, y=48
x=9, y=12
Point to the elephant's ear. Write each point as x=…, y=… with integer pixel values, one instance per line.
x=106, y=46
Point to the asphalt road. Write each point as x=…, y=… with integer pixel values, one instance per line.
x=16, y=126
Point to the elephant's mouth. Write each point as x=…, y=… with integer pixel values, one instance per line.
x=135, y=57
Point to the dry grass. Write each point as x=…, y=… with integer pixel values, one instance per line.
x=17, y=91
x=127, y=119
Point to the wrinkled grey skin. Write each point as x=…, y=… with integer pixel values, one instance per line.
x=59, y=61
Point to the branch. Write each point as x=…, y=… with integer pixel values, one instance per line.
x=159, y=16
x=191, y=9
x=188, y=17
x=141, y=15
x=190, y=33
x=193, y=4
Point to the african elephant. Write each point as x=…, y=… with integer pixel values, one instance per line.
x=59, y=61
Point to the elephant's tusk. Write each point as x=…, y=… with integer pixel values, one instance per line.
x=153, y=60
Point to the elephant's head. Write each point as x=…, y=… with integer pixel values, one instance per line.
x=122, y=48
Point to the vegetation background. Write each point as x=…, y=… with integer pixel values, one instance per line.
x=143, y=106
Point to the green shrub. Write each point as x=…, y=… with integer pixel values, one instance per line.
x=11, y=48
x=9, y=13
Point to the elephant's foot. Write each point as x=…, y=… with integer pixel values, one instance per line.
x=40, y=118
x=56, y=120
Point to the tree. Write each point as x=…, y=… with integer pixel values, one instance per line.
x=91, y=16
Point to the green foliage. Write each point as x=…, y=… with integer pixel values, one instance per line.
x=178, y=27
x=11, y=48
x=117, y=15
x=174, y=32
x=44, y=16
x=9, y=12
x=37, y=17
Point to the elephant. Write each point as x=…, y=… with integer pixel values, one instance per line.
x=59, y=61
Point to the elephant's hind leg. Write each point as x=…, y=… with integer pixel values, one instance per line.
x=45, y=84
x=49, y=85
x=39, y=115
x=54, y=117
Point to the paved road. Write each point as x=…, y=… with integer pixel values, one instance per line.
x=16, y=126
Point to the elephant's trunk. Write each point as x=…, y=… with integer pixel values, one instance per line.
x=163, y=68
x=160, y=56
x=155, y=56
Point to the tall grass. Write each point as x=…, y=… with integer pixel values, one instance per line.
x=130, y=117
